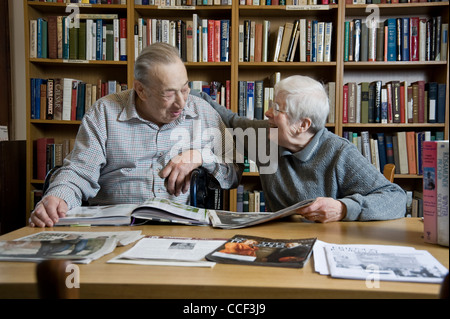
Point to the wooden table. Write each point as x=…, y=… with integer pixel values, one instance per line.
x=102, y=280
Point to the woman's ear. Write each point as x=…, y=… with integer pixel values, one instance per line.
x=303, y=125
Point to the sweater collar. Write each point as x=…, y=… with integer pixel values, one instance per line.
x=307, y=153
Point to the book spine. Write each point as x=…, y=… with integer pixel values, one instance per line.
x=123, y=39
x=442, y=193
x=429, y=161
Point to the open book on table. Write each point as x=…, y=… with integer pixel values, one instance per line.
x=163, y=210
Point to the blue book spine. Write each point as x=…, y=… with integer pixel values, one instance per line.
x=145, y=2
x=392, y=39
x=33, y=98
x=250, y=100
x=99, y=50
x=224, y=40
x=262, y=202
x=381, y=150
x=37, y=97
x=66, y=51
x=313, y=41
x=39, y=38
x=440, y=112
x=405, y=39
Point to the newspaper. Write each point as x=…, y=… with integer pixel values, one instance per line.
x=385, y=262
x=170, y=251
x=233, y=220
x=79, y=247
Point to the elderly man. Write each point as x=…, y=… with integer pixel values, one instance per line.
x=314, y=163
x=141, y=143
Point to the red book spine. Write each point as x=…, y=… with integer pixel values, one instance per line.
x=345, y=105
x=41, y=156
x=414, y=38
x=211, y=37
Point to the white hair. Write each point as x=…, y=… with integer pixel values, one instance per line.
x=305, y=98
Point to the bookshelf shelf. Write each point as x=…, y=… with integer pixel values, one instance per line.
x=338, y=71
x=76, y=62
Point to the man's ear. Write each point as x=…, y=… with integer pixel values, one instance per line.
x=140, y=90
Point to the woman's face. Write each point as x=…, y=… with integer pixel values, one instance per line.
x=278, y=118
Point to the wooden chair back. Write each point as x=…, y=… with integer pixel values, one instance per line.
x=388, y=172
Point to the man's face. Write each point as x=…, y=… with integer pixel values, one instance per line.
x=164, y=100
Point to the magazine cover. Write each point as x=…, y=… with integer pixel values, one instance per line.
x=252, y=250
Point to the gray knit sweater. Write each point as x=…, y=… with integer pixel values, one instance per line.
x=329, y=166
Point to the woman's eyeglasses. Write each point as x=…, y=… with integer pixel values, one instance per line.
x=276, y=108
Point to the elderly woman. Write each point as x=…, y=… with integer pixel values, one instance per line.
x=314, y=163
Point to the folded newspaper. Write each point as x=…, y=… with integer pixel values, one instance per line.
x=163, y=210
x=381, y=262
x=79, y=247
x=170, y=251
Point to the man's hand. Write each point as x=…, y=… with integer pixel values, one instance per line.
x=48, y=211
x=324, y=210
x=178, y=172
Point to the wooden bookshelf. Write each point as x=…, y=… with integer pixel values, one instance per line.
x=336, y=70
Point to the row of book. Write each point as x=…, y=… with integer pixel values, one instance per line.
x=101, y=37
x=49, y=153
x=304, y=40
x=250, y=201
x=173, y=3
x=198, y=40
x=396, y=39
x=85, y=1
x=67, y=99
x=254, y=97
x=389, y=1
x=435, y=192
x=403, y=148
x=394, y=102
x=219, y=92
x=285, y=2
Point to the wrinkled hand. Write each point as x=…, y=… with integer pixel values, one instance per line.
x=178, y=172
x=324, y=210
x=48, y=211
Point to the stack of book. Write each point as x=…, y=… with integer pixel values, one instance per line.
x=100, y=37
x=394, y=102
x=50, y=153
x=396, y=39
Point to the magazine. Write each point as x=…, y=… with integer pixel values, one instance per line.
x=164, y=210
x=381, y=262
x=156, y=209
x=170, y=251
x=233, y=220
x=79, y=247
x=260, y=251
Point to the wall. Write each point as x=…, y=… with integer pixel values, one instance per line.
x=18, y=84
